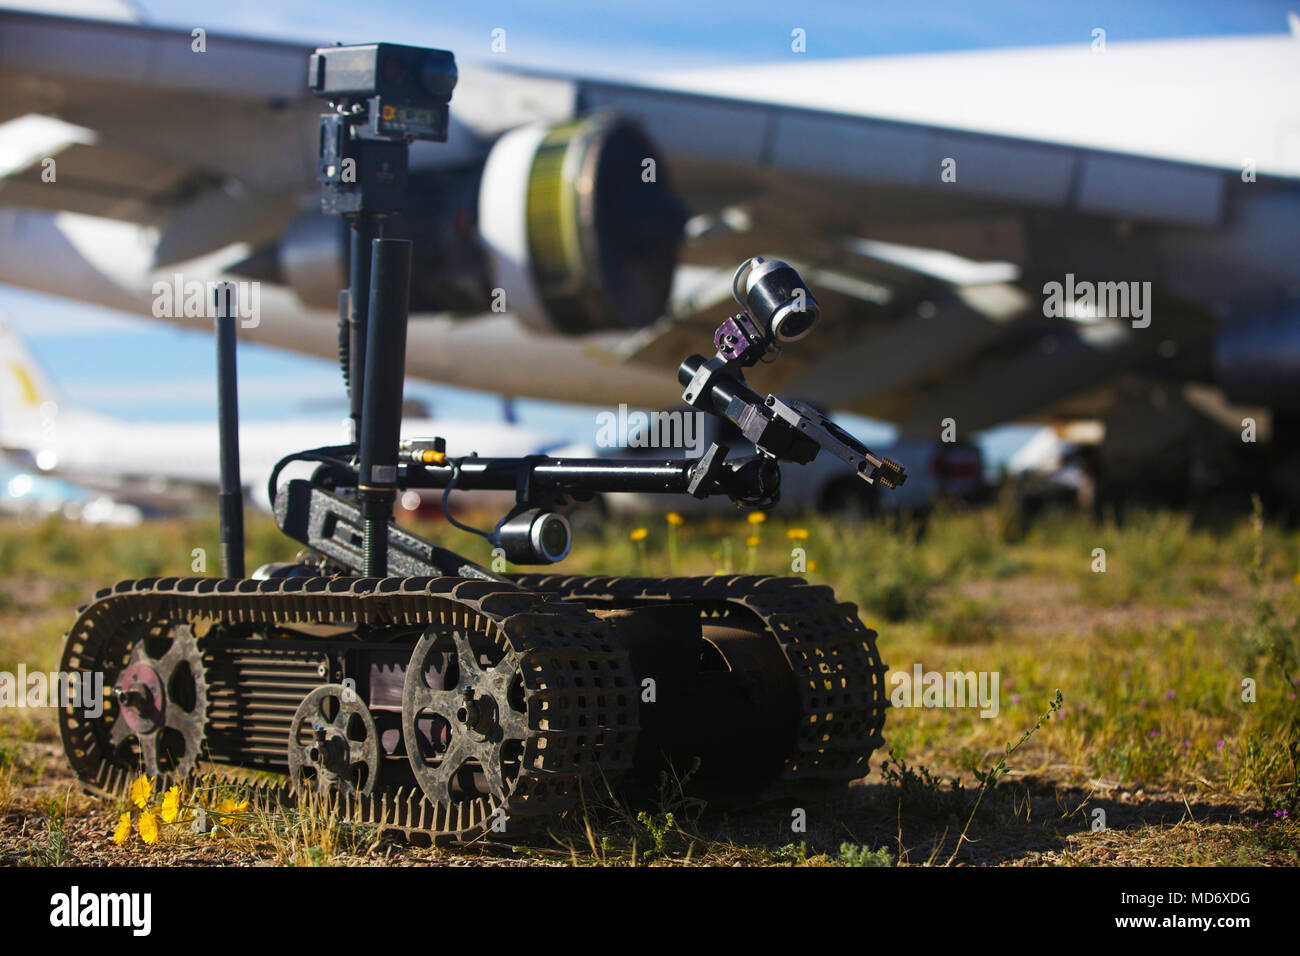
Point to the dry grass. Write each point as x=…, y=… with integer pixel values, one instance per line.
x=1149, y=656
x=8, y=788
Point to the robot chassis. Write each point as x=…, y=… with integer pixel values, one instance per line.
x=422, y=692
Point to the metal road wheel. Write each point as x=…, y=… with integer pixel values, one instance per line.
x=333, y=744
x=464, y=719
x=161, y=703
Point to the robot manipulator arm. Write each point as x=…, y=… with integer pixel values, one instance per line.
x=779, y=308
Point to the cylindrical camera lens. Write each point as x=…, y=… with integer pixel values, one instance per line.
x=535, y=537
x=776, y=298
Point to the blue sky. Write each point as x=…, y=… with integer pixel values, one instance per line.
x=134, y=368
x=623, y=35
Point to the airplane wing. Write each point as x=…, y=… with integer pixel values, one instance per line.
x=929, y=200
x=1140, y=162
x=209, y=137
x=177, y=137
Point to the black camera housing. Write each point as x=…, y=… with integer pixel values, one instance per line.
x=407, y=89
x=382, y=96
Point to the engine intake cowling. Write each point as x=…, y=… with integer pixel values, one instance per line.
x=580, y=225
x=575, y=225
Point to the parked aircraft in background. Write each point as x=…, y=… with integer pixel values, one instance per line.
x=171, y=465
x=1052, y=235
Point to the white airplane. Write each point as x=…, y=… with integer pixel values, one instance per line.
x=166, y=465
x=931, y=200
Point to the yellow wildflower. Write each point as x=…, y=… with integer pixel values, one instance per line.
x=674, y=518
x=123, y=829
x=142, y=791
x=752, y=541
x=756, y=517
x=812, y=565
x=149, y=827
x=171, y=808
x=228, y=806
x=639, y=534
x=797, y=534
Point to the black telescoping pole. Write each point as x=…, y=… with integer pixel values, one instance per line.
x=363, y=229
x=381, y=422
x=230, y=496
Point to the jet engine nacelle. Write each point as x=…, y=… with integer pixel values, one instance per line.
x=580, y=225
x=572, y=227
